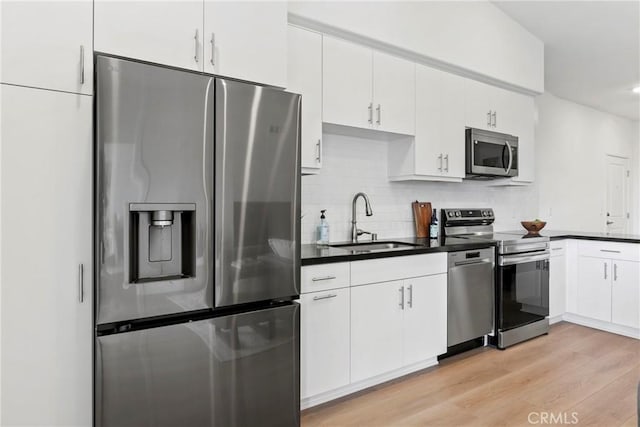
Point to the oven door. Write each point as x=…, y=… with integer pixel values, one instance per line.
x=491, y=153
x=523, y=289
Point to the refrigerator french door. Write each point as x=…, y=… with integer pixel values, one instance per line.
x=197, y=249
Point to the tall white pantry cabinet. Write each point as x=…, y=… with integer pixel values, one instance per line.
x=46, y=325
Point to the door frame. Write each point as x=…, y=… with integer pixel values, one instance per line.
x=627, y=190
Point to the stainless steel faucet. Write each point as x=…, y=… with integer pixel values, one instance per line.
x=355, y=231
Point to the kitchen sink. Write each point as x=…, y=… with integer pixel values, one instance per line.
x=374, y=246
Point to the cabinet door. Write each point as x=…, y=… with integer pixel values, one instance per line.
x=478, y=105
x=324, y=341
x=346, y=83
x=394, y=94
x=425, y=318
x=376, y=329
x=304, y=76
x=46, y=236
x=594, y=288
x=48, y=44
x=429, y=127
x=625, y=293
x=557, y=285
x=517, y=118
x=246, y=40
x=168, y=33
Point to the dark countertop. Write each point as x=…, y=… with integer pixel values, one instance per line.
x=313, y=254
x=586, y=235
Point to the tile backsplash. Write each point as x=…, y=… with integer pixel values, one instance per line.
x=354, y=164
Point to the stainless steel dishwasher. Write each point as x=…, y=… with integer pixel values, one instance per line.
x=471, y=295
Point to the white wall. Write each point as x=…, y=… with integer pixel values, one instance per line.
x=353, y=164
x=571, y=144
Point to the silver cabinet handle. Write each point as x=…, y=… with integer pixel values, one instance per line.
x=605, y=271
x=556, y=249
x=489, y=118
x=615, y=272
x=319, y=151
x=325, y=297
x=440, y=158
x=81, y=283
x=410, y=302
x=401, y=290
x=446, y=168
x=610, y=251
x=195, y=38
x=81, y=64
x=379, y=117
x=213, y=49
x=494, y=122
x=370, y=113
x=610, y=222
x=318, y=279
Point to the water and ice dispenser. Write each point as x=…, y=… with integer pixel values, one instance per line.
x=162, y=241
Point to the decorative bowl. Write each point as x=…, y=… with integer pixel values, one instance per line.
x=533, y=227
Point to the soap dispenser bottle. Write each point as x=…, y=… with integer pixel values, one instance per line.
x=323, y=229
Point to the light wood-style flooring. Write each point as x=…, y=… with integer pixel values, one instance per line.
x=573, y=369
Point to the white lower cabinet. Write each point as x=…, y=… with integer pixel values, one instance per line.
x=47, y=325
x=625, y=293
x=396, y=324
x=376, y=329
x=324, y=338
x=355, y=334
x=425, y=318
x=608, y=288
x=594, y=288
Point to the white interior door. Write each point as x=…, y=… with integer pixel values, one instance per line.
x=617, y=197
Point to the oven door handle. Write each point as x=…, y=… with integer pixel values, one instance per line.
x=510, y=157
x=521, y=259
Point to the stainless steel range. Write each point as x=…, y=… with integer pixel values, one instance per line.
x=522, y=274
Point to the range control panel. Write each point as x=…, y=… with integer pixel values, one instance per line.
x=468, y=216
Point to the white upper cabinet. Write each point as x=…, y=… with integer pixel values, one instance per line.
x=438, y=151
x=367, y=89
x=500, y=110
x=346, y=83
x=47, y=335
x=48, y=45
x=394, y=91
x=167, y=33
x=304, y=76
x=246, y=40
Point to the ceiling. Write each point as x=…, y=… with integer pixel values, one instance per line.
x=592, y=50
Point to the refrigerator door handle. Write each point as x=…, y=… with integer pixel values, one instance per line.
x=81, y=283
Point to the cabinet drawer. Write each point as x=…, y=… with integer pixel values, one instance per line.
x=610, y=250
x=386, y=269
x=325, y=276
x=558, y=248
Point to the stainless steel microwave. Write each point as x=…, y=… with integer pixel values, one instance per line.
x=491, y=154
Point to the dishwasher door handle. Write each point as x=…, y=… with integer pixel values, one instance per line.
x=475, y=261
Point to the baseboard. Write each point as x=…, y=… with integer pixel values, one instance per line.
x=318, y=399
x=604, y=326
x=556, y=319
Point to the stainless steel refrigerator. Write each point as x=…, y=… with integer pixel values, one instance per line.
x=197, y=249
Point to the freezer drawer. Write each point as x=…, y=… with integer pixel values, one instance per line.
x=237, y=370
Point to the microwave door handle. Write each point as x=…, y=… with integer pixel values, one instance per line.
x=510, y=157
